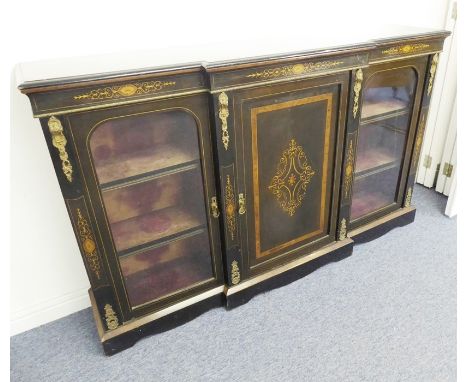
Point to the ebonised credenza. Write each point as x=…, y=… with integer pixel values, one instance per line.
x=199, y=185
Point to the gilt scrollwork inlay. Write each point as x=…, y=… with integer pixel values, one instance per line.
x=242, y=208
x=88, y=244
x=349, y=168
x=214, y=207
x=293, y=174
x=409, y=195
x=419, y=141
x=112, y=321
x=223, y=113
x=405, y=49
x=432, y=72
x=294, y=70
x=127, y=90
x=60, y=142
x=357, y=90
x=230, y=207
x=235, y=273
x=343, y=230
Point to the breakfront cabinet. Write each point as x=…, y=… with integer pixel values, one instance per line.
x=195, y=186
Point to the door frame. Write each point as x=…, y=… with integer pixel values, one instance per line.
x=419, y=65
x=245, y=222
x=82, y=125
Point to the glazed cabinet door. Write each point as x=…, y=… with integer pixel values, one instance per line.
x=391, y=94
x=150, y=188
x=288, y=144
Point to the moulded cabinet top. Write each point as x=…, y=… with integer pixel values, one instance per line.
x=211, y=56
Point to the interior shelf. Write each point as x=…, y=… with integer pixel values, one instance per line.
x=154, y=227
x=375, y=159
x=143, y=162
x=149, y=176
x=365, y=202
x=163, y=253
x=372, y=111
x=156, y=282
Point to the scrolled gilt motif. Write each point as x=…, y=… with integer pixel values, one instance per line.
x=343, y=230
x=294, y=70
x=60, y=142
x=432, y=71
x=242, y=208
x=419, y=141
x=235, y=273
x=112, y=321
x=405, y=49
x=293, y=174
x=409, y=195
x=357, y=90
x=88, y=244
x=349, y=168
x=223, y=115
x=214, y=207
x=230, y=207
x=127, y=90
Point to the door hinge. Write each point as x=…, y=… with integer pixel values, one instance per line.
x=454, y=11
x=427, y=161
x=448, y=168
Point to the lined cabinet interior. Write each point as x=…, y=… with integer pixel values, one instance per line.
x=149, y=173
x=389, y=96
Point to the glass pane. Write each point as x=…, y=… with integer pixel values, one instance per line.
x=385, y=119
x=149, y=172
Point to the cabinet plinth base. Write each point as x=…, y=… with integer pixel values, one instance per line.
x=287, y=273
x=381, y=226
x=129, y=333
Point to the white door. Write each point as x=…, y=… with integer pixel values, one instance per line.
x=449, y=156
x=440, y=114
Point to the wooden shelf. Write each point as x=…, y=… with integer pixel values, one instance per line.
x=373, y=111
x=147, y=162
x=157, y=282
x=149, y=176
x=151, y=228
x=365, y=202
x=382, y=124
x=164, y=252
x=375, y=160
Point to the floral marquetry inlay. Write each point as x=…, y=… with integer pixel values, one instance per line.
x=406, y=49
x=293, y=174
x=88, y=244
x=349, y=169
x=128, y=90
x=294, y=70
x=230, y=206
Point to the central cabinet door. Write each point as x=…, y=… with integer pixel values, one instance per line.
x=287, y=163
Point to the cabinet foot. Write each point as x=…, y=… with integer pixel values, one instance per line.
x=283, y=275
x=129, y=333
x=381, y=226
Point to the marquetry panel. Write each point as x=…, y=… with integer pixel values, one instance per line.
x=90, y=96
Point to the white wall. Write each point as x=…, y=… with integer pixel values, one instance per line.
x=48, y=279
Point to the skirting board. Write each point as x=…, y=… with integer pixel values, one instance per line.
x=48, y=310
